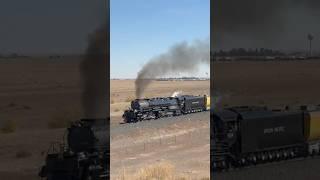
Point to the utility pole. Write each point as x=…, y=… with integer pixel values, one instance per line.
x=310, y=38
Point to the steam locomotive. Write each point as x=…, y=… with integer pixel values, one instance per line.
x=86, y=155
x=244, y=136
x=154, y=108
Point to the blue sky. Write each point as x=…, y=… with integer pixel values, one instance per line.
x=141, y=29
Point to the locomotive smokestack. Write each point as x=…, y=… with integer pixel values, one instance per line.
x=94, y=73
x=182, y=57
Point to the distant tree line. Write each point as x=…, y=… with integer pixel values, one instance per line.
x=13, y=55
x=52, y=56
x=248, y=52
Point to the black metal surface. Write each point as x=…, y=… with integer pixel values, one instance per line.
x=155, y=108
x=87, y=134
x=262, y=130
x=141, y=104
x=85, y=157
x=244, y=136
x=194, y=102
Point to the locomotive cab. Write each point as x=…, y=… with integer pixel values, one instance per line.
x=225, y=138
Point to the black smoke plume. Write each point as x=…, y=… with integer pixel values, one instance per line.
x=181, y=58
x=275, y=24
x=94, y=74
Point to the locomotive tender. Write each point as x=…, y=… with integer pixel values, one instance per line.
x=154, y=108
x=244, y=136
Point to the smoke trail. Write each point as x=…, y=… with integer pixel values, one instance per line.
x=280, y=24
x=182, y=57
x=94, y=73
x=176, y=94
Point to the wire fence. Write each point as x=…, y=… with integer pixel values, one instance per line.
x=151, y=144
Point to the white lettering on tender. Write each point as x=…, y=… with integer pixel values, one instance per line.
x=274, y=130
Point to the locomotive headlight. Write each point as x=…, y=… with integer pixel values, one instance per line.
x=230, y=135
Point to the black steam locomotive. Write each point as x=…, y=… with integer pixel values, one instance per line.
x=154, y=108
x=86, y=155
x=244, y=136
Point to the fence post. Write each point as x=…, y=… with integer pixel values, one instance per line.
x=175, y=139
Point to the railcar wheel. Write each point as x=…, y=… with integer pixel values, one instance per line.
x=214, y=166
x=223, y=164
x=292, y=154
x=285, y=154
x=263, y=157
x=254, y=159
x=270, y=156
x=278, y=156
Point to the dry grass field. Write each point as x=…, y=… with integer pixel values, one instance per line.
x=40, y=96
x=272, y=84
x=268, y=83
x=181, y=143
x=37, y=98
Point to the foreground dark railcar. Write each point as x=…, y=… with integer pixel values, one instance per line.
x=244, y=136
x=154, y=108
x=86, y=155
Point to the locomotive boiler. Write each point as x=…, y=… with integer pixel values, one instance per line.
x=84, y=157
x=154, y=108
x=244, y=136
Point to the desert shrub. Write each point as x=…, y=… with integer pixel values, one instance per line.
x=162, y=171
x=190, y=178
x=27, y=107
x=8, y=126
x=116, y=110
x=23, y=154
x=129, y=99
x=112, y=101
x=62, y=119
x=205, y=178
x=123, y=174
x=12, y=105
x=181, y=178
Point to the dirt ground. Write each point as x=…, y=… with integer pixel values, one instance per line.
x=33, y=93
x=38, y=92
x=267, y=83
x=182, y=141
x=272, y=84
